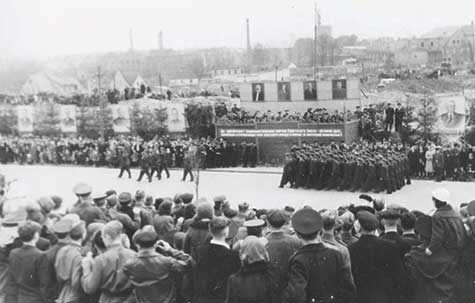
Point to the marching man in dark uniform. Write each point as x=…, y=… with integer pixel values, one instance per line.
x=317, y=272
x=124, y=161
x=162, y=163
x=188, y=163
x=144, y=164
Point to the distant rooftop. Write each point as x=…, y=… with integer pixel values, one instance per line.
x=442, y=32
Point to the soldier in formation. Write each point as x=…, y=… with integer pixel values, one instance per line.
x=346, y=168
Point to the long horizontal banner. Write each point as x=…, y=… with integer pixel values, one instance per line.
x=284, y=133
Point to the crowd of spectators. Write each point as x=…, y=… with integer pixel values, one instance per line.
x=124, y=247
x=317, y=115
x=100, y=152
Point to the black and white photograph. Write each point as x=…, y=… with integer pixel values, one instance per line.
x=339, y=89
x=258, y=93
x=271, y=151
x=310, y=90
x=283, y=91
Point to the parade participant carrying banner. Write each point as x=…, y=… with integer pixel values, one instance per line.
x=451, y=114
x=120, y=118
x=176, y=117
x=68, y=118
x=25, y=114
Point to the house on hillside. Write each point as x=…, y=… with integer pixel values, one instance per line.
x=455, y=43
x=44, y=83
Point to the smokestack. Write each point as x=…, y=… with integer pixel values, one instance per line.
x=248, y=31
x=160, y=40
x=131, y=40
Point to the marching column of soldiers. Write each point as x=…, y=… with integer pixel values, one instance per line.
x=346, y=168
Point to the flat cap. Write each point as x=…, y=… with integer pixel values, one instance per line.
x=254, y=223
x=441, y=194
x=367, y=220
x=99, y=198
x=391, y=214
x=307, y=221
x=82, y=189
x=218, y=223
x=277, y=218
x=125, y=198
x=111, y=192
x=62, y=226
x=145, y=236
x=187, y=198
x=220, y=198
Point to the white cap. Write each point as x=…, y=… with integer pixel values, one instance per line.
x=441, y=194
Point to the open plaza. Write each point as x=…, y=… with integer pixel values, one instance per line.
x=257, y=186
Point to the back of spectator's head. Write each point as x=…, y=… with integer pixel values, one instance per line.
x=112, y=201
x=112, y=231
x=78, y=231
x=204, y=211
x=218, y=226
x=189, y=211
x=58, y=201
x=165, y=208
x=145, y=238
x=148, y=201
x=28, y=230
x=348, y=219
x=157, y=203
x=139, y=195
x=408, y=220
x=330, y=219
x=277, y=218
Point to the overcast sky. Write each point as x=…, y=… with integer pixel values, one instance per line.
x=39, y=28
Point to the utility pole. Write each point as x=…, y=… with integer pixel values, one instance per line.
x=315, y=40
x=99, y=76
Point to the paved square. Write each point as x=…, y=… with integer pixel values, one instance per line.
x=245, y=185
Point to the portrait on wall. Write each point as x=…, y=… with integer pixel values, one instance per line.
x=120, y=118
x=176, y=117
x=310, y=90
x=25, y=118
x=258, y=92
x=68, y=118
x=451, y=114
x=283, y=89
x=339, y=89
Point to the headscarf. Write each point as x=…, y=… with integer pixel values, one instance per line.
x=253, y=250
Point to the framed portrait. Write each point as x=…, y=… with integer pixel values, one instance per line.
x=283, y=91
x=310, y=90
x=258, y=94
x=339, y=89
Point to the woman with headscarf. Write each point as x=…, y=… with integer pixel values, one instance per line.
x=257, y=280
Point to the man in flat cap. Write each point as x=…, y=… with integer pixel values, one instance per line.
x=67, y=265
x=317, y=272
x=214, y=263
x=390, y=219
x=377, y=269
x=61, y=230
x=84, y=208
x=153, y=273
x=105, y=272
